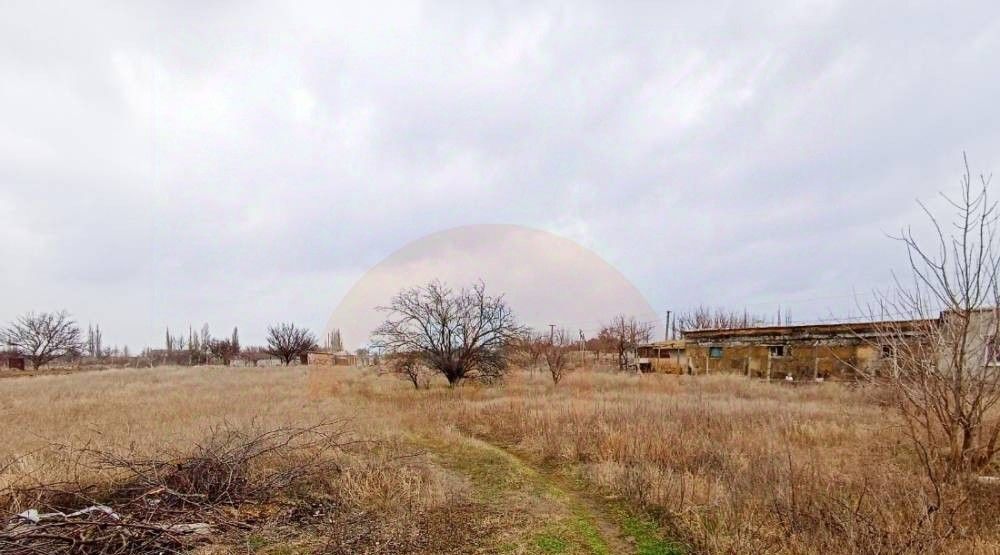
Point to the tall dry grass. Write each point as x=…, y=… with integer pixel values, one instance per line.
x=731, y=465
x=382, y=491
x=725, y=464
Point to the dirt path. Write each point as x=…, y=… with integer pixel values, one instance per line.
x=575, y=501
x=562, y=516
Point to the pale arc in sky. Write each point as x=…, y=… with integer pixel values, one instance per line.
x=546, y=279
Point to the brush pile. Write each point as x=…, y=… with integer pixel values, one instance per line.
x=165, y=504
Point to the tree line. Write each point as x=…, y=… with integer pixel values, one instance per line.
x=45, y=337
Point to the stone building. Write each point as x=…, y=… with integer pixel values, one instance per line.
x=799, y=352
x=796, y=352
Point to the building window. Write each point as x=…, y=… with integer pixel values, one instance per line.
x=777, y=351
x=715, y=352
x=888, y=351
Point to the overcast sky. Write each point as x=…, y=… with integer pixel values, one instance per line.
x=239, y=164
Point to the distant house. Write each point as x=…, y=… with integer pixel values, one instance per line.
x=13, y=361
x=328, y=358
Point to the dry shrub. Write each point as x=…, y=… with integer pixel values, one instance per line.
x=404, y=504
x=165, y=504
x=382, y=480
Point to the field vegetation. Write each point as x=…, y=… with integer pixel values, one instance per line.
x=605, y=462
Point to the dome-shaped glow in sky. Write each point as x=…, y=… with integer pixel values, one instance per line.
x=545, y=278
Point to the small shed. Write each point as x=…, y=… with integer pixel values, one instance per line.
x=663, y=356
x=13, y=361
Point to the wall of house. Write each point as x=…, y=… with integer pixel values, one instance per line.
x=13, y=363
x=802, y=361
x=981, y=343
x=320, y=359
x=671, y=361
x=662, y=360
x=331, y=359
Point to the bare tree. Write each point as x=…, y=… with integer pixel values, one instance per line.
x=603, y=343
x=943, y=363
x=461, y=334
x=364, y=356
x=94, y=341
x=176, y=344
x=43, y=337
x=530, y=346
x=625, y=333
x=288, y=342
x=336, y=343
x=206, y=337
x=409, y=367
x=224, y=349
x=254, y=355
x=556, y=349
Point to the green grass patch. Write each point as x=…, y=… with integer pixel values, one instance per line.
x=490, y=471
x=576, y=535
x=549, y=543
x=646, y=534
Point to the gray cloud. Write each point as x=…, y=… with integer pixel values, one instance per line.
x=165, y=163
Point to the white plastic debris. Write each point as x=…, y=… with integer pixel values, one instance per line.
x=95, y=509
x=34, y=517
x=31, y=515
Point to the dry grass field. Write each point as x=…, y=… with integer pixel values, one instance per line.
x=603, y=463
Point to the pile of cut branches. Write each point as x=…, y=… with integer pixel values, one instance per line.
x=167, y=503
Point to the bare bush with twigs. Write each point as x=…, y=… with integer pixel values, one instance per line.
x=164, y=504
x=555, y=352
x=944, y=369
x=624, y=334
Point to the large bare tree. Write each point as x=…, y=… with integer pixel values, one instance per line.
x=288, y=342
x=625, y=333
x=43, y=337
x=943, y=360
x=462, y=334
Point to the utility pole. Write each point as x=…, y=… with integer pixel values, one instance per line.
x=552, y=332
x=666, y=328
